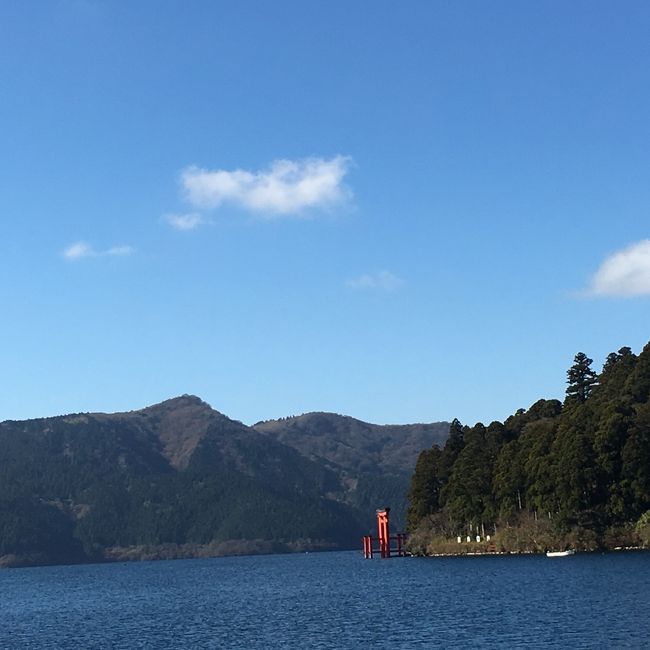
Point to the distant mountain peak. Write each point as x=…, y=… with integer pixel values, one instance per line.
x=180, y=402
x=351, y=443
x=180, y=423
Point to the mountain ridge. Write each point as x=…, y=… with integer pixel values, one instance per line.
x=182, y=475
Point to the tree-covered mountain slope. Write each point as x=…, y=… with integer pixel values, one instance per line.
x=373, y=462
x=174, y=479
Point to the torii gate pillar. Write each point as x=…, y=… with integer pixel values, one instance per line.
x=383, y=532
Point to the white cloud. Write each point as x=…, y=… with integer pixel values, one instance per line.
x=78, y=250
x=82, y=249
x=625, y=273
x=287, y=187
x=189, y=221
x=380, y=281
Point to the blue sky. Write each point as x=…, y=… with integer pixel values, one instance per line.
x=399, y=211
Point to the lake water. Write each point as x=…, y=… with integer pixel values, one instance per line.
x=332, y=600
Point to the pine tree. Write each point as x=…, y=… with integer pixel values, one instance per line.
x=425, y=487
x=581, y=378
x=638, y=383
x=468, y=494
x=636, y=461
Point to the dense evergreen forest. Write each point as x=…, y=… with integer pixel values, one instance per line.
x=572, y=474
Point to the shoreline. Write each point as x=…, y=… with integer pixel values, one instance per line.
x=616, y=549
x=162, y=552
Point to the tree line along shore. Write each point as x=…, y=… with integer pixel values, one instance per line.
x=572, y=474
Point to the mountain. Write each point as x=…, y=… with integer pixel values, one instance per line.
x=373, y=463
x=180, y=479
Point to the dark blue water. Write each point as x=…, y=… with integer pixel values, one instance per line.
x=332, y=600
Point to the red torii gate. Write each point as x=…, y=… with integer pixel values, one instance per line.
x=384, y=540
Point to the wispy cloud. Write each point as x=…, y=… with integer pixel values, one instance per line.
x=624, y=273
x=380, y=281
x=82, y=249
x=286, y=188
x=118, y=251
x=188, y=221
x=78, y=250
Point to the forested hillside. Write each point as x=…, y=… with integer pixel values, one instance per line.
x=575, y=473
x=178, y=479
x=373, y=463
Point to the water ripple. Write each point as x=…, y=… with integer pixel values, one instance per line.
x=332, y=601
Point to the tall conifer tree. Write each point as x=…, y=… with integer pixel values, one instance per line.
x=581, y=378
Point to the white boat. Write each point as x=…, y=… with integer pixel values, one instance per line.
x=560, y=553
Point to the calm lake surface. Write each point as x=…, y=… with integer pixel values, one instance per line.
x=332, y=600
